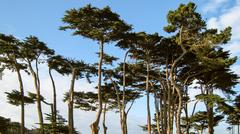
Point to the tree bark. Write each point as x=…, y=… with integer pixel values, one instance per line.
x=124, y=123
x=37, y=87
x=54, y=117
x=104, y=119
x=70, y=103
x=122, y=111
x=94, y=125
x=210, y=122
x=175, y=86
x=157, y=113
x=148, y=102
x=22, y=101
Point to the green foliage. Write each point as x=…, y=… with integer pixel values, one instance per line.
x=15, y=97
x=94, y=23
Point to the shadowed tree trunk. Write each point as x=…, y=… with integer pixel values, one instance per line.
x=54, y=102
x=210, y=115
x=148, y=103
x=157, y=112
x=38, y=96
x=104, y=119
x=22, y=101
x=94, y=125
x=70, y=102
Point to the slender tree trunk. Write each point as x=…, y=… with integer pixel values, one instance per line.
x=163, y=106
x=169, y=128
x=124, y=123
x=94, y=125
x=210, y=115
x=186, y=114
x=148, y=103
x=119, y=105
x=157, y=113
x=37, y=87
x=178, y=119
x=70, y=103
x=104, y=119
x=22, y=101
x=122, y=112
x=175, y=86
x=54, y=117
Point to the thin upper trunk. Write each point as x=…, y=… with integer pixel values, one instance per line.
x=175, y=86
x=54, y=117
x=70, y=103
x=94, y=125
x=122, y=112
x=148, y=103
x=157, y=113
x=22, y=101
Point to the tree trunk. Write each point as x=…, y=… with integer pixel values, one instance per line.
x=54, y=117
x=186, y=114
x=104, y=119
x=37, y=87
x=178, y=119
x=175, y=86
x=119, y=105
x=157, y=113
x=94, y=125
x=163, y=109
x=210, y=120
x=210, y=115
x=22, y=101
x=122, y=111
x=169, y=124
x=124, y=123
x=148, y=103
x=70, y=103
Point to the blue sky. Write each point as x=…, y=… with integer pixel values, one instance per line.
x=42, y=18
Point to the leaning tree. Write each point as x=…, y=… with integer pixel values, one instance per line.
x=34, y=53
x=101, y=25
x=10, y=58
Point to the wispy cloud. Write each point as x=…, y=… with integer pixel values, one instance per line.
x=213, y=5
x=230, y=17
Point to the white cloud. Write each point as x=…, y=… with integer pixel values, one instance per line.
x=213, y=5
x=236, y=69
x=230, y=17
x=82, y=119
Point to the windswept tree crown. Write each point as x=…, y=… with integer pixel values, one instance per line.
x=94, y=23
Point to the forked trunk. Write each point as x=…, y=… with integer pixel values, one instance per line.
x=38, y=97
x=94, y=125
x=70, y=103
